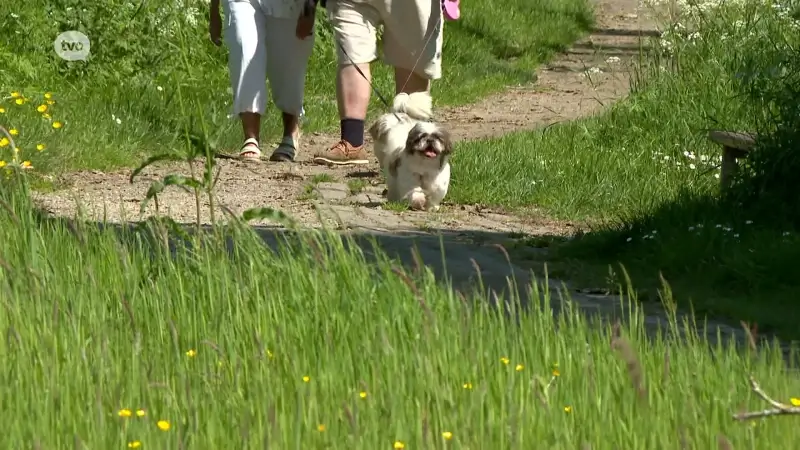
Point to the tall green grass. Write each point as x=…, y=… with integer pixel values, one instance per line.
x=117, y=338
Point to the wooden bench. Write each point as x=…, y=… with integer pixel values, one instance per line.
x=735, y=145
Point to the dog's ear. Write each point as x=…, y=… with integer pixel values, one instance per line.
x=378, y=130
x=393, y=167
x=446, y=141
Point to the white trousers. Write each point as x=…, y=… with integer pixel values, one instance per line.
x=264, y=48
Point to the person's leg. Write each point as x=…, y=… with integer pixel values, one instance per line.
x=287, y=61
x=413, y=38
x=355, y=37
x=244, y=37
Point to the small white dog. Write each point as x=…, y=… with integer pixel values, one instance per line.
x=413, y=152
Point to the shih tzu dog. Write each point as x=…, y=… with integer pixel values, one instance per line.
x=413, y=152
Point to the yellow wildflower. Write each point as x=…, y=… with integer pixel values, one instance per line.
x=41, y=108
x=125, y=412
x=447, y=435
x=2, y=164
x=134, y=444
x=140, y=413
x=4, y=141
x=20, y=101
x=46, y=116
x=467, y=385
x=48, y=95
x=2, y=110
x=556, y=373
x=306, y=379
x=191, y=353
x=51, y=102
x=40, y=147
x=321, y=427
x=15, y=95
x=26, y=165
x=568, y=409
x=795, y=401
x=163, y=425
x=13, y=131
x=504, y=360
x=399, y=445
x=519, y=367
x=362, y=394
x=57, y=125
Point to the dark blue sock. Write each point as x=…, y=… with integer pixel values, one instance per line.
x=353, y=131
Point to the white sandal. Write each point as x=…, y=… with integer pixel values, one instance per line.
x=250, y=149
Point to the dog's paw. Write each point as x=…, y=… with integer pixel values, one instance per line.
x=417, y=201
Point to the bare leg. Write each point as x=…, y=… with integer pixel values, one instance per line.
x=291, y=126
x=409, y=82
x=251, y=125
x=353, y=91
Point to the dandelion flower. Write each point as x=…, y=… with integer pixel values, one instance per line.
x=269, y=354
x=519, y=367
x=2, y=164
x=48, y=95
x=2, y=110
x=41, y=108
x=57, y=125
x=140, y=413
x=447, y=435
x=191, y=353
x=20, y=101
x=568, y=409
x=795, y=401
x=124, y=412
x=134, y=444
x=321, y=427
x=26, y=165
x=306, y=379
x=4, y=141
x=40, y=147
x=51, y=102
x=468, y=386
x=362, y=394
x=504, y=360
x=556, y=373
x=399, y=445
x=163, y=425
x=13, y=131
x=15, y=95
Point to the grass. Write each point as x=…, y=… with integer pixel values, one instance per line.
x=145, y=336
x=644, y=178
x=124, y=104
x=113, y=336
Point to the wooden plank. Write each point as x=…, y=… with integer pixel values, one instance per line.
x=744, y=142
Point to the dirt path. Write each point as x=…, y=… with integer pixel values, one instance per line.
x=579, y=83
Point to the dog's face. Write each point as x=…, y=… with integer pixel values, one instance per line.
x=429, y=141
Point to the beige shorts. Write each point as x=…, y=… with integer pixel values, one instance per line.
x=412, y=33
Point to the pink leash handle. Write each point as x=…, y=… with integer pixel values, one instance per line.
x=451, y=9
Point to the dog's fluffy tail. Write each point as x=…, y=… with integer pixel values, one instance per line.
x=418, y=105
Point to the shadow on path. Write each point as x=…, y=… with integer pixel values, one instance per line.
x=468, y=259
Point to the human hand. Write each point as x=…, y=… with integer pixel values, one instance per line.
x=215, y=27
x=305, y=23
